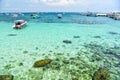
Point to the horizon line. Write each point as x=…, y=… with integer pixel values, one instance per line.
x=57, y=11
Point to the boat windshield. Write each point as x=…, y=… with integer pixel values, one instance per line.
x=18, y=23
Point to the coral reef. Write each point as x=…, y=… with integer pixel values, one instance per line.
x=112, y=52
x=101, y=74
x=33, y=74
x=8, y=66
x=6, y=77
x=42, y=63
x=79, y=66
x=93, y=45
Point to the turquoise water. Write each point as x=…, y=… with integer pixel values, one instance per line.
x=95, y=43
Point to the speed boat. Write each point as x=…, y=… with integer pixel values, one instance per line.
x=59, y=16
x=19, y=24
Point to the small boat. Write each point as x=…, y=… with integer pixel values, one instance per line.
x=14, y=15
x=19, y=24
x=35, y=16
x=59, y=16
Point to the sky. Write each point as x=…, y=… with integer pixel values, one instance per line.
x=59, y=5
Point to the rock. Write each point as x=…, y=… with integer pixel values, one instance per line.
x=25, y=51
x=67, y=41
x=50, y=51
x=42, y=63
x=76, y=36
x=101, y=74
x=96, y=36
x=20, y=64
x=8, y=66
x=114, y=33
x=12, y=34
x=6, y=77
x=36, y=48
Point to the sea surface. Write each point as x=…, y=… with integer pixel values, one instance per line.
x=79, y=47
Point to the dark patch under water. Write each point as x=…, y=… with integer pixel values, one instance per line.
x=67, y=41
x=96, y=36
x=113, y=33
x=76, y=36
x=12, y=35
x=112, y=52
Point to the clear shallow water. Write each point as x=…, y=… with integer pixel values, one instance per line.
x=97, y=45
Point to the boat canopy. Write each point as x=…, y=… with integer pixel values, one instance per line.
x=19, y=21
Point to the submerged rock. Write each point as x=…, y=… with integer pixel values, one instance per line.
x=36, y=48
x=76, y=36
x=25, y=51
x=101, y=74
x=8, y=66
x=67, y=41
x=6, y=77
x=12, y=34
x=114, y=33
x=20, y=64
x=96, y=36
x=42, y=63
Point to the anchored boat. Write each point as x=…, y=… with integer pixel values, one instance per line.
x=19, y=24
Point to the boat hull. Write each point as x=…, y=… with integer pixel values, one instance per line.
x=19, y=26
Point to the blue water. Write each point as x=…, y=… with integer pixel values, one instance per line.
x=95, y=43
x=52, y=18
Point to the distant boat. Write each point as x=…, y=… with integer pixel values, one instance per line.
x=114, y=15
x=14, y=15
x=117, y=17
x=59, y=16
x=35, y=16
x=89, y=13
x=19, y=24
x=101, y=14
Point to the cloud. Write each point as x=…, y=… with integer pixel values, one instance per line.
x=63, y=2
x=56, y=2
x=33, y=1
x=59, y=2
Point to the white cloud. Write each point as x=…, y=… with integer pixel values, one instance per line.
x=34, y=1
x=58, y=2
x=65, y=2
